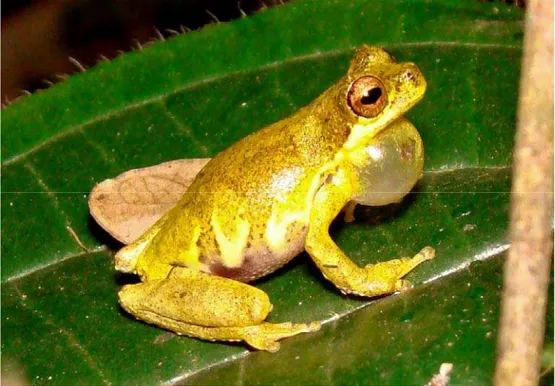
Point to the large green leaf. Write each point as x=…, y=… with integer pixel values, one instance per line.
x=193, y=96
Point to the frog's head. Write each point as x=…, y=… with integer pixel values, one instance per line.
x=379, y=90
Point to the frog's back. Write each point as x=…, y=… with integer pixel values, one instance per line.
x=246, y=213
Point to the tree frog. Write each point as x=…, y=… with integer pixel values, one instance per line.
x=272, y=195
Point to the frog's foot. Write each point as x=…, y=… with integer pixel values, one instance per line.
x=266, y=335
x=386, y=276
x=208, y=307
x=404, y=265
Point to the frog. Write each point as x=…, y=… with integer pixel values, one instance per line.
x=273, y=195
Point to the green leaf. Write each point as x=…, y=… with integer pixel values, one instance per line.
x=193, y=96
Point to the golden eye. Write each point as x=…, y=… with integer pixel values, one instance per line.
x=367, y=96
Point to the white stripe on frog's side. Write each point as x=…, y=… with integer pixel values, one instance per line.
x=278, y=226
x=233, y=246
x=190, y=257
x=282, y=217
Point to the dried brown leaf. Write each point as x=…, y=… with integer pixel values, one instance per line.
x=129, y=204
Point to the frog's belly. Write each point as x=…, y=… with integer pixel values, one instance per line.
x=258, y=258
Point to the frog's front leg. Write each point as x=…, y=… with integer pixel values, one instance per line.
x=204, y=306
x=373, y=280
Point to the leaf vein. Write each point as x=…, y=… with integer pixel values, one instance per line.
x=98, y=148
x=184, y=129
x=312, y=56
x=50, y=193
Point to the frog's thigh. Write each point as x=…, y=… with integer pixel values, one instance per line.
x=208, y=307
x=373, y=280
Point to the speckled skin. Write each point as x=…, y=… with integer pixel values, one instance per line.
x=273, y=168
x=272, y=195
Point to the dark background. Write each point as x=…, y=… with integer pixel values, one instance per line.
x=39, y=37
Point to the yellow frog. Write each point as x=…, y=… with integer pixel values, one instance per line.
x=272, y=195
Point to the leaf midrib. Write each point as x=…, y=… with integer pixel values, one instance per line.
x=103, y=248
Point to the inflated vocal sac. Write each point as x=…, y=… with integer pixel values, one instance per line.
x=389, y=165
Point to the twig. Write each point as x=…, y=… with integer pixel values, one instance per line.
x=529, y=261
x=77, y=239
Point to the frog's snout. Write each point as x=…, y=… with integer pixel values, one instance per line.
x=411, y=75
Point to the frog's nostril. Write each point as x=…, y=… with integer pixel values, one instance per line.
x=408, y=75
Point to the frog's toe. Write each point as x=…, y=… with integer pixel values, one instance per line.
x=313, y=326
x=284, y=330
x=402, y=285
x=427, y=253
x=266, y=335
x=263, y=344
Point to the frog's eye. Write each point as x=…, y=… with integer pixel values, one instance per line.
x=367, y=96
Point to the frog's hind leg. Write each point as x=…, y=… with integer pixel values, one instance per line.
x=208, y=307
